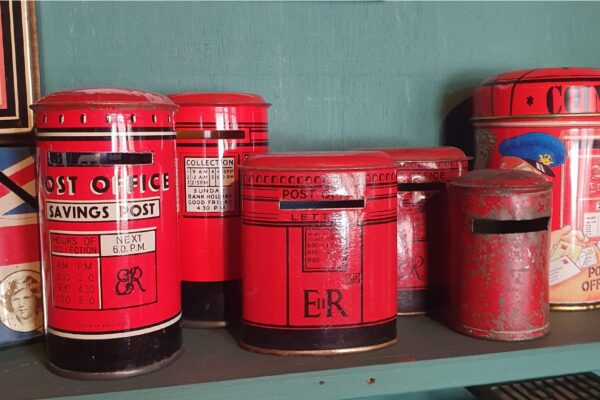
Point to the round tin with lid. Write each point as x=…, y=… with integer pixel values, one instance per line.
x=547, y=121
x=216, y=132
x=499, y=254
x=107, y=196
x=319, y=252
x=423, y=174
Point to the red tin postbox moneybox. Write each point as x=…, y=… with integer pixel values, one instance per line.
x=548, y=121
x=215, y=133
x=107, y=196
x=422, y=177
x=319, y=252
x=499, y=254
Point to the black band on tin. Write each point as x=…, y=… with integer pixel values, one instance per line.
x=316, y=339
x=78, y=159
x=421, y=187
x=211, y=134
x=321, y=204
x=491, y=226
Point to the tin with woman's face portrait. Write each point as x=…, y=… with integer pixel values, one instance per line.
x=21, y=301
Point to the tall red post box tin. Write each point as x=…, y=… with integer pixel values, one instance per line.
x=215, y=134
x=548, y=121
x=499, y=254
x=21, y=311
x=107, y=197
x=319, y=252
x=423, y=174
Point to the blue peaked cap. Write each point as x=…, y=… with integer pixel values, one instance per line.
x=531, y=146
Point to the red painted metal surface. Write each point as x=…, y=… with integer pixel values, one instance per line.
x=107, y=195
x=216, y=132
x=548, y=121
x=422, y=177
x=499, y=254
x=319, y=252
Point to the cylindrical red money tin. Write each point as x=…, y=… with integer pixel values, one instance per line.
x=107, y=196
x=319, y=252
x=423, y=174
x=21, y=314
x=215, y=134
x=499, y=254
x=548, y=121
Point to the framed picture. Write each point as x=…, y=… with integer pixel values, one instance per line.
x=19, y=73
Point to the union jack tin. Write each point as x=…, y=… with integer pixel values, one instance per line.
x=21, y=313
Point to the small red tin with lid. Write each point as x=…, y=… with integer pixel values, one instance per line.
x=548, y=121
x=423, y=174
x=107, y=196
x=499, y=254
x=319, y=252
x=215, y=134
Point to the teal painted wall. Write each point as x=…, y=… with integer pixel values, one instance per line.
x=338, y=74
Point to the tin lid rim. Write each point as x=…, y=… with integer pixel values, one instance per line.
x=538, y=188
x=56, y=100
x=406, y=157
x=103, y=106
x=535, y=116
x=328, y=169
x=217, y=103
x=495, y=189
x=466, y=158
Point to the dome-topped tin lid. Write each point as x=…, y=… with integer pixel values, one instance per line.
x=548, y=92
x=425, y=154
x=325, y=161
x=503, y=180
x=218, y=99
x=103, y=98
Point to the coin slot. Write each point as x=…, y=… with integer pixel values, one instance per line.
x=211, y=134
x=421, y=187
x=320, y=204
x=77, y=159
x=490, y=226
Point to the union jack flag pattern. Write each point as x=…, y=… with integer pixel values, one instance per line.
x=21, y=315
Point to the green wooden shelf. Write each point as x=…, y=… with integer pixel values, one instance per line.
x=428, y=356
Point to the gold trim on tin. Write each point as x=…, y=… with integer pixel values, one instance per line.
x=509, y=336
x=185, y=323
x=330, y=352
x=97, y=376
x=410, y=313
x=576, y=307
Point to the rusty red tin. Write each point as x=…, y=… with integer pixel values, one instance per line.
x=499, y=254
x=548, y=121
x=319, y=252
x=215, y=134
x=423, y=174
x=107, y=196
